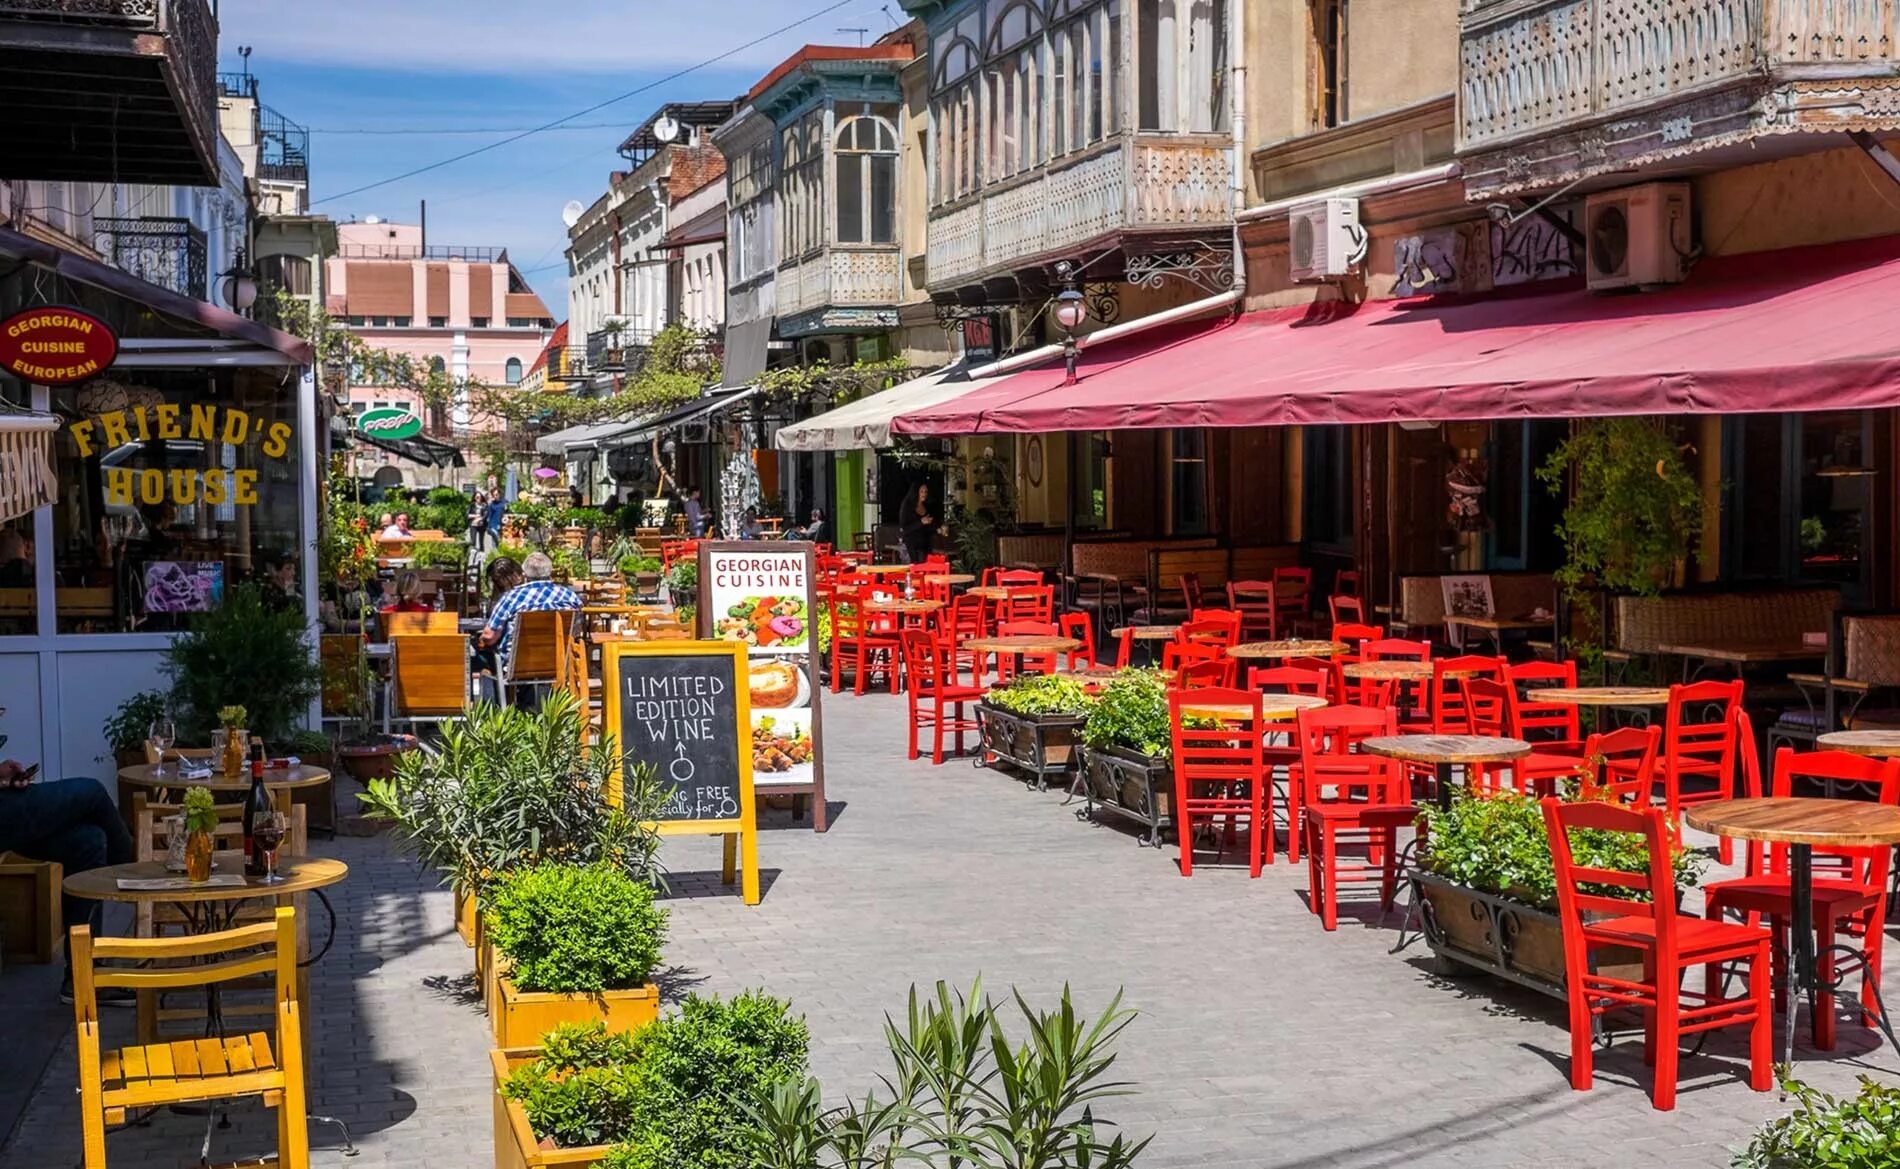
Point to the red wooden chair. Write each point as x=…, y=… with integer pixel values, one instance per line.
x=1211, y=627
x=1699, y=746
x=966, y=617
x=1449, y=714
x=1356, y=635
x=1293, y=679
x=1205, y=675
x=1018, y=578
x=1309, y=676
x=1191, y=592
x=1032, y=663
x=1350, y=795
x=936, y=694
x=1541, y=719
x=861, y=644
x=1028, y=603
x=1415, y=696
x=1253, y=600
x=1081, y=627
x=1850, y=884
x=1346, y=609
x=1177, y=654
x=1670, y=944
x=1620, y=765
x=1491, y=709
x=1346, y=582
x=1219, y=774
x=1292, y=596
x=1125, y=648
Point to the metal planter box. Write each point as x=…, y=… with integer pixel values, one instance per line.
x=1042, y=745
x=1504, y=937
x=1139, y=787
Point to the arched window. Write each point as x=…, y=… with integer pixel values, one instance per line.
x=512, y=371
x=866, y=150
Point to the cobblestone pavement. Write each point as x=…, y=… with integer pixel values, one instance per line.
x=1262, y=1040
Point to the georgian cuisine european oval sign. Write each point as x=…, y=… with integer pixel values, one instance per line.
x=56, y=346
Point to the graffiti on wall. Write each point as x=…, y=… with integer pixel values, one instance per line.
x=1428, y=263
x=1533, y=248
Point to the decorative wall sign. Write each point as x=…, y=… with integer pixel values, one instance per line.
x=56, y=346
x=389, y=423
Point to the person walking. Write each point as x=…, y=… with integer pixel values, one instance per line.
x=695, y=515
x=917, y=524
x=478, y=521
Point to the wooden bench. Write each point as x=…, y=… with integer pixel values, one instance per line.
x=1643, y=625
x=1105, y=575
x=1041, y=551
x=29, y=909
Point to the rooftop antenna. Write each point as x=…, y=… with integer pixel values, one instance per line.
x=244, y=51
x=859, y=31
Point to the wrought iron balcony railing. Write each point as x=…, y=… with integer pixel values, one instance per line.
x=617, y=350
x=167, y=252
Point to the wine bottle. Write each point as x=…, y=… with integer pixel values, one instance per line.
x=256, y=804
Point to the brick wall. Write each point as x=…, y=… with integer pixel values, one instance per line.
x=692, y=167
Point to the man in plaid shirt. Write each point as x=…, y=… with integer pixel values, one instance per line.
x=523, y=589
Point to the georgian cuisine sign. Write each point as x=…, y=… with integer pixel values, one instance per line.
x=56, y=346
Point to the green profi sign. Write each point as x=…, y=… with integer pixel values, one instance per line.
x=389, y=423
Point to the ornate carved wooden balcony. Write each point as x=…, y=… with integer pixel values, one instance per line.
x=1167, y=186
x=841, y=290
x=109, y=90
x=1557, y=90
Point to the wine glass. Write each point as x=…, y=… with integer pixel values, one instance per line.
x=163, y=733
x=269, y=829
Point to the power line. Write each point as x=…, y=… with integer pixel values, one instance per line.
x=467, y=154
x=433, y=130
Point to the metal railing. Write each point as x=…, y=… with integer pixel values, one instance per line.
x=167, y=252
x=283, y=148
x=617, y=350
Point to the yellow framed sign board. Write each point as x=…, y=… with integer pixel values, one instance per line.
x=683, y=708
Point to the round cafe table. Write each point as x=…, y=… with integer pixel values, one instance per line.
x=1273, y=707
x=950, y=578
x=1880, y=744
x=206, y=907
x=1146, y=632
x=1393, y=671
x=1603, y=695
x=1801, y=824
x=882, y=569
x=1444, y=752
x=990, y=592
x=275, y=779
x=900, y=606
x=1017, y=645
x=1292, y=648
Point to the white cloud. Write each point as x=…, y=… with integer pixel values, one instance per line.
x=508, y=36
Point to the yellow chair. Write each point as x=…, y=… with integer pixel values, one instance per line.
x=537, y=648
x=188, y=1071
x=398, y=624
x=429, y=675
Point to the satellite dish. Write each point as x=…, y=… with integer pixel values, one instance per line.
x=571, y=214
x=666, y=129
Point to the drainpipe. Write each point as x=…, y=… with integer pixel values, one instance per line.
x=1237, y=51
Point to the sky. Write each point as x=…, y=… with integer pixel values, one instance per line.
x=458, y=70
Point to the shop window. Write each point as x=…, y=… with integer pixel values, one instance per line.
x=1090, y=483
x=1836, y=481
x=173, y=490
x=1329, y=62
x=1798, y=498
x=1327, y=496
x=511, y=372
x=1187, y=482
x=866, y=159
x=289, y=273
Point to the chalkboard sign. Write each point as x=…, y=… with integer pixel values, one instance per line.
x=682, y=707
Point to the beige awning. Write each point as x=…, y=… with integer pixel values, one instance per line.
x=866, y=423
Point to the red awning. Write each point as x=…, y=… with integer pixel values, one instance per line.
x=1801, y=329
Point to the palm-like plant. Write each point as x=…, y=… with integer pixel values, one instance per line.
x=511, y=787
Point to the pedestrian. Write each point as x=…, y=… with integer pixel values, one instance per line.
x=695, y=515
x=478, y=521
x=495, y=509
x=69, y=822
x=917, y=524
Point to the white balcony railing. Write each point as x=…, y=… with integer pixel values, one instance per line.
x=842, y=278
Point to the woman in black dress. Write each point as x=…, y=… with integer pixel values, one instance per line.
x=917, y=524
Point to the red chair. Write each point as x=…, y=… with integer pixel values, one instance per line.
x=1850, y=884
x=1449, y=710
x=1491, y=709
x=1293, y=679
x=1028, y=603
x=1620, y=765
x=1670, y=945
x=966, y=617
x=861, y=644
x=1081, y=627
x=1219, y=774
x=1292, y=596
x=1349, y=795
x=1415, y=696
x=1700, y=749
x=1346, y=609
x=937, y=695
x=1191, y=592
x=1346, y=583
x=1125, y=649
x=1253, y=600
x=1309, y=676
x=1211, y=627
x=1205, y=675
x=1014, y=578
x=1538, y=719
x=1031, y=663
x=1355, y=635
x=1177, y=654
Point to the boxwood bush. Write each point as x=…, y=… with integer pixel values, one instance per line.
x=1855, y=1132
x=576, y=928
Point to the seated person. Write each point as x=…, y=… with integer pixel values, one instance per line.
x=813, y=531
x=16, y=560
x=524, y=588
x=280, y=583
x=386, y=528
x=409, y=597
x=749, y=526
x=70, y=822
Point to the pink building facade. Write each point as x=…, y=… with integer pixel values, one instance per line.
x=463, y=310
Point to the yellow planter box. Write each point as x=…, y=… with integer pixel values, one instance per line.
x=520, y=1017
x=465, y=917
x=515, y=1143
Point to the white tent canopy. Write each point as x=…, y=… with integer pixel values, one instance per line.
x=866, y=423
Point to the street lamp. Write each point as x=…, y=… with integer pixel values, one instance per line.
x=240, y=287
x=1071, y=311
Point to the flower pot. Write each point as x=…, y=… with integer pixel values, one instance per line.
x=1042, y=745
x=367, y=761
x=233, y=759
x=198, y=848
x=1139, y=787
x=1505, y=937
x=516, y=1146
x=521, y=1017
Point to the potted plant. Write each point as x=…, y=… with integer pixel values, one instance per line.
x=675, y=1090
x=201, y=825
x=1127, y=740
x=130, y=725
x=572, y=943
x=1854, y=1132
x=232, y=739
x=1034, y=723
x=682, y=588
x=244, y=651
x=1487, y=888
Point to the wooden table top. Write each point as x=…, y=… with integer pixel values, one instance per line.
x=1497, y=624
x=301, y=874
x=950, y=578
x=1293, y=648
x=1746, y=652
x=901, y=605
x=1447, y=748
x=1272, y=706
x=1021, y=643
x=1396, y=671
x=1148, y=632
x=1882, y=744
x=1828, y=823
x=990, y=592
x=1602, y=695
x=883, y=568
x=277, y=779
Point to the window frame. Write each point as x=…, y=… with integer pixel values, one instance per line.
x=885, y=147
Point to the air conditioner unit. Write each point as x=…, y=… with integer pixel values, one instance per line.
x=1637, y=236
x=1325, y=239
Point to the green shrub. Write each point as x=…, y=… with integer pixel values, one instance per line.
x=673, y=1094
x=1859, y=1132
x=446, y=497
x=243, y=651
x=573, y=928
x=129, y=725
x=1035, y=695
x=452, y=554
x=682, y=581
x=1132, y=713
x=1499, y=844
